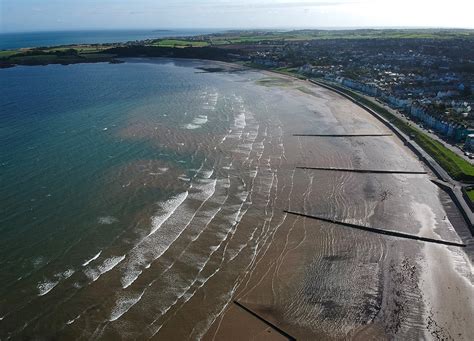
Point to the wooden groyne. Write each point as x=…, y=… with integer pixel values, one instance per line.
x=456, y=194
x=379, y=231
x=369, y=171
x=342, y=135
x=282, y=332
x=402, y=136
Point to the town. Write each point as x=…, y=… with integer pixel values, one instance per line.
x=430, y=81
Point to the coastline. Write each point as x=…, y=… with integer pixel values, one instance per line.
x=448, y=184
x=310, y=279
x=398, y=296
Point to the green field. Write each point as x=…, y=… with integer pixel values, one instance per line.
x=55, y=55
x=457, y=167
x=179, y=43
x=78, y=48
x=252, y=37
x=7, y=53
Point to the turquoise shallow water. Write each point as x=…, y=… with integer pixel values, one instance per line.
x=59, y=139
x=139, y=200
x=88, y=153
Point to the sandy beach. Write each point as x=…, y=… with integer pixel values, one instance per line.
x=185, y=232
x=319, y=280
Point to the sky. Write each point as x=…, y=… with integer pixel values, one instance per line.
x=54, y=15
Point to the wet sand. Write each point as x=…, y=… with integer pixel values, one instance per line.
x=317, y=280
x=222, y=236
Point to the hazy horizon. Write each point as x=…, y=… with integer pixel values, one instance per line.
x=74, y=15
x=224, y=29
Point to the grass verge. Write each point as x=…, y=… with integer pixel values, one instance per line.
x=470, y=194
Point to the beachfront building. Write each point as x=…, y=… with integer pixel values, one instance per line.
x=368, y=89
x=469, y=144
x=454, y=131
x=396, y=101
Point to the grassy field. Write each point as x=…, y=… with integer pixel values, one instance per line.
x=249, y=37
x=180, y=43
x=78, y=48
x=7, y=53
x=271, y=37
x=53, y=54
x=457, y=167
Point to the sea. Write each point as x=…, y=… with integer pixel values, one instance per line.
x=118, y=179
x=9, y=41
x=149, y=200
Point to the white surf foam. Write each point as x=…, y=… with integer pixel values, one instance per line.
x=87, y=262
x=37, y=262
x=123, y=305
x=169, y=207
x=207, y=174
x=153, y=247
x=107, y=220
x=197, y=122
x=106, y=266
x=73, y=320
x=131, y=276
x=137, y=257
x=66, y=274
x=211, y=102
x=188, y=291
x=48, y=285
x=239, y=121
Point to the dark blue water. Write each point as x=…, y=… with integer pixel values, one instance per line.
x=42, y=39
x=65, y=133
x=102, y=168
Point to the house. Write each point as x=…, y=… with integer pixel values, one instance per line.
x=368, y=89
x=469, y=144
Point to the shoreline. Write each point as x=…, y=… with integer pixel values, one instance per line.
x=310, y=279
x=448, y=184
x=412, y=282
